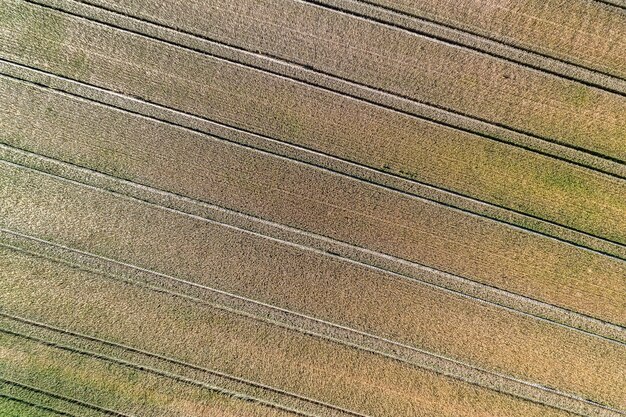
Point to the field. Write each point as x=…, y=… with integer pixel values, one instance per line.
x=330, y=123
x=28, y=362
x=415, y=67
x=327, y=371
x=190, y=248
x=327, y=204
x=226, y=209
x=543, y=26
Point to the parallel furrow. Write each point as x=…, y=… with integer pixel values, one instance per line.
x=19, y=391
x=301, y=323
x=118, y=354
x=548, y=308
x=35, y=406
x=308, y=241
x=358, y=91
x=179, y=119
x=480, y=43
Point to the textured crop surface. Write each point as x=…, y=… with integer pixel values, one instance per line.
x=321, y=208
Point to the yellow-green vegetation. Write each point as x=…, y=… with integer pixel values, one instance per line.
x=43, y=36
x=416, y=66
x=10, y=407
x=465, y=163
x=377, y=219
x=251, y=349
x=229, y=281
x=113, y=386
x=314, y=284
x=585, y=32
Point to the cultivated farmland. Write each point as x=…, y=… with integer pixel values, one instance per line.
x=189, y=248
x=327, y=122
x=344, y=209
x=312, y=208
x=126, y=389
x=416, y=67
x=308, y=366
x=546, y=27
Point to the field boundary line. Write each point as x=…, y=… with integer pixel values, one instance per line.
x=286, y=235
x=59, y=397
x=94, y=347
x=334, y=165
x=360, y=92
x=307, y=325
x=496, y=47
